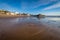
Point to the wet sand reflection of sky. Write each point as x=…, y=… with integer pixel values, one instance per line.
x=51, y=21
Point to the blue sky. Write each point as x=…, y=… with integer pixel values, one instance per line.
x=47, y=7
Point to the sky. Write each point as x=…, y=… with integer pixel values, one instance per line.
x=46, y=7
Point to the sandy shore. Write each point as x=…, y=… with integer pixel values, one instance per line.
x=9, y=16
x=12, y=30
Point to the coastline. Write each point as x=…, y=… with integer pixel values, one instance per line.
x=12, y=16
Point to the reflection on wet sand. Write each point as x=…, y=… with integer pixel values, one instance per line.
x=27, y=28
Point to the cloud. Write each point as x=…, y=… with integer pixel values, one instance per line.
x=51, y=13
x=38, y=3
x=57, y=5
x=34, y=3
x=5, y=6
x=23, y=5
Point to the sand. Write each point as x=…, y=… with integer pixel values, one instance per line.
x=31, y=30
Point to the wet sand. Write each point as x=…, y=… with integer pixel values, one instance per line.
x=9, y=16
x=26, y=29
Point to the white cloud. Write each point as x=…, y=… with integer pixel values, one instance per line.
x=42, y=2
x=7, y=7
x=57, y=5
x=23, y=5
x=52, y=13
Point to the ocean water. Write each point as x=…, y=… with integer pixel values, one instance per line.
x=51, y=21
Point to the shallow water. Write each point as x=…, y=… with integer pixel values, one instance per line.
x=30, y=28
x=51, y=21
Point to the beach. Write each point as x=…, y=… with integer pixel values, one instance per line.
x=26, y=28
